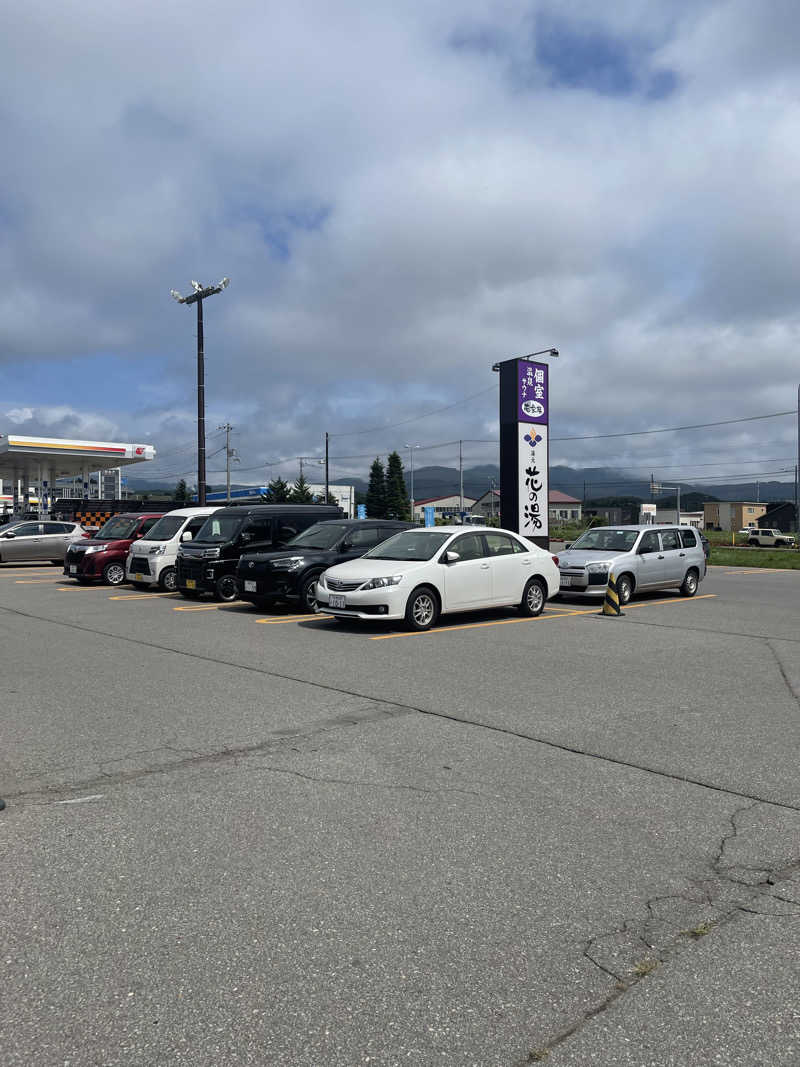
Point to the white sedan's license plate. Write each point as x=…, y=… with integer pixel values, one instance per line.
x=335, y=601
x=73, y=568
x=138, y=577
x=250, y=587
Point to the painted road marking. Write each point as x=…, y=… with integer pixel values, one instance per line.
x=140, y=596
x=82, y=800
x=536, y=618
x=210, y=607
x=278, y=619
x=36, y=581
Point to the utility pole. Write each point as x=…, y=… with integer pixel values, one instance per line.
x=197, y=297
x=460, y=481
x=230, y=453
x=326, y=466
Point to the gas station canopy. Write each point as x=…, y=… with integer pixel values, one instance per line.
x=26, y=457
x=41, y=460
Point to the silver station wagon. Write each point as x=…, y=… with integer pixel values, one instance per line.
x=641, y=558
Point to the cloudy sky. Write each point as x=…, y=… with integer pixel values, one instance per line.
x=403, y=194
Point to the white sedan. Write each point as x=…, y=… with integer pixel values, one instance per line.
x=419, y=574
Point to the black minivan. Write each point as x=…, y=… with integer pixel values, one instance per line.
x=291, y=573
x=207, y=564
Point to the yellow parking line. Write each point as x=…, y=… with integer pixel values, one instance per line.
x=139, y=596
x=278, y=619
x=209, y=607
x=536, y=618
x=35, y=581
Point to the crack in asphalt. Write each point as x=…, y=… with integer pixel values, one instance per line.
x=677, y=939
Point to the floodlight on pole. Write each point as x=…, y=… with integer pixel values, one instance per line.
x=197, y=297
x=542, y=352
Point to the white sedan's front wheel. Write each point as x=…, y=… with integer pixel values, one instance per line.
x=533, y=598
x=422, y=609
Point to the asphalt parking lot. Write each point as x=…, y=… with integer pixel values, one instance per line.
x=234, y=837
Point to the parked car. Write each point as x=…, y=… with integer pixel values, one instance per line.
x=151, y=561
x=38, y=540
x=640, y=557
x=770, y=539
x=419, y=574
x=103, y=556
x=291, y=573
x=208, y=563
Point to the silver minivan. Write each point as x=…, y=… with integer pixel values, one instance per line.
x=641, y=558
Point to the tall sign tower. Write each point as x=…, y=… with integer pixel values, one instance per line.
x=524, y=447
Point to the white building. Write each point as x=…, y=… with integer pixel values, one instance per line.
x=444, y=507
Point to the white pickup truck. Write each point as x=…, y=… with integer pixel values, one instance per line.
x=770, y=538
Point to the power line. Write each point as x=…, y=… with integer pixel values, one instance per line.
x=674, y=429
x=405, y=422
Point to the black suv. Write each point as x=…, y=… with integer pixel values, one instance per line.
x=264, y=577
x=207, y=564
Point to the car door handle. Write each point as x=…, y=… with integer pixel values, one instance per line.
x=484, y=566
x=682, y=553
x=525, y=562
x=660, y=557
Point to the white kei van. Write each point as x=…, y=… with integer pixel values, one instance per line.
x=151, y=561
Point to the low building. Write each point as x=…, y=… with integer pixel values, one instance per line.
x=732, y=514
x=563, y=508
x=488, y=505
x=781, y=516
x=444, y=507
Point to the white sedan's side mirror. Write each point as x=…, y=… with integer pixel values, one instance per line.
x=186, y=535
x=452, y=557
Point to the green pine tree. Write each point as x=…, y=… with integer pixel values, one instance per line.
x=278, y=491
x=376, y=491
x=300, y=493
x=398, y=505
x=181, y=494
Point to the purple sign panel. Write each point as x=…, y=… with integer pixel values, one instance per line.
x=532, y=392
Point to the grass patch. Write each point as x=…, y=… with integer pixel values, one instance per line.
x=645, y=967
x=698, y=931
x=787, y=558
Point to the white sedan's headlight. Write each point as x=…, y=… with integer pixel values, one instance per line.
x=598, y=568
x=381, y=583
x=158, y=551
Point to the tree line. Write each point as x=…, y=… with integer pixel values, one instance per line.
x=386, y=498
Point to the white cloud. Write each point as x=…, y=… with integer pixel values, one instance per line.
x=396, y=213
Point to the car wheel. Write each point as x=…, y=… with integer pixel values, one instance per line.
x=422, y=609
x=167, y=580
x=113, y=574
x=624, y=588
x=690, y=583
x=534, y=598
x=753, y=544
x=225, y=589
x=308, y=594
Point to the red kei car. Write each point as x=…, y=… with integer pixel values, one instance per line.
x=103, y=556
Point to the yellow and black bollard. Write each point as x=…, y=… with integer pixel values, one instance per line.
x=611, y=602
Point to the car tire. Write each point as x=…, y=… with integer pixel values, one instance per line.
x=225, y=588
x=624, y=589
x=308, y=599
x=113, y=574
x=422, y=609
x=690, y=583
x=167, y=580
x=534, y=598
x=753, y=544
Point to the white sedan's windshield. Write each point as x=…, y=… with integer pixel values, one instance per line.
x=166, y=528
x=414, y=545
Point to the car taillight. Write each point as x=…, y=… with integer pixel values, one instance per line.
x=555, y=560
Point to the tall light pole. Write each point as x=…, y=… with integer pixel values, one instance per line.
x=411, y=461
x=797, y=474
x=197, y=297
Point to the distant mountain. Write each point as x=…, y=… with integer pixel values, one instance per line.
x=589, y=483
